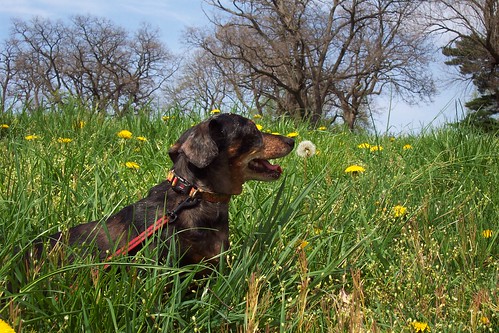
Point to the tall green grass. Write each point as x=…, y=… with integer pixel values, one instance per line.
x=318, y=251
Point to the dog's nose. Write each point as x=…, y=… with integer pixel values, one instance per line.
x=290, y=142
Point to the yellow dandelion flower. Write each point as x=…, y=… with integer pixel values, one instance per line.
x=392, y=139
x=260, y=127
x=5, y=328
x=485, y=320
x=142, y=138
x=124, y=134
x=275, y=133
x=302, y=244
x=31, y=137
x=292, y=135
x=376, y=148
x=364, y=145
x=64, y=140
x=487, y=233
x=354, y=169
x=166, y=118
x=257, y=116
x=80, y=124
x=132, y=165
x=322, y=128
x=420, y=327
x=407, y=147
x=215, y=111
x=4, y=126
x=399, y=211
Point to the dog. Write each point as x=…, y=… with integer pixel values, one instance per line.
x=211, y=162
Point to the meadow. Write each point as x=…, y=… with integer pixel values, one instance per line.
x=371, y=233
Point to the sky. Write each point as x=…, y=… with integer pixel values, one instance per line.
x=171, y=17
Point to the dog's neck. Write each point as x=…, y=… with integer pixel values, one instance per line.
x=215, y=178
x=183, y=186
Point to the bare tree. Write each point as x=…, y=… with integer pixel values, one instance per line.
x=113, y=70
x=97, y=54
x=151, y=65
x=8, y=54
x=207, y=82
x=40, y=55
x=312, y=58
x=201, y=83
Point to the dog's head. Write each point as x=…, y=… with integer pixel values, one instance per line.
x=222, y=152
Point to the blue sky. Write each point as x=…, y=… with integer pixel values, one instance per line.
x=170, y=16
x=173, y=16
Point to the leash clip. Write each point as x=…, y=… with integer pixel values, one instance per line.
x=172, y=217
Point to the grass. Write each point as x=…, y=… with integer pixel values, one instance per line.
x=320, y=250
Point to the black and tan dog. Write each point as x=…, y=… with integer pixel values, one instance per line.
x=211, y=161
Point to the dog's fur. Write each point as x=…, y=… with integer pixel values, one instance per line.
x=216, y=156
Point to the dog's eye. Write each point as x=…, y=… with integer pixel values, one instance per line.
x=252, y=122
x=255, y=126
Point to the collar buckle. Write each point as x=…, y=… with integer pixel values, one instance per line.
x=193, y=192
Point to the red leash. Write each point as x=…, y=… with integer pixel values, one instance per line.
x=139, y=239
x=170, y=217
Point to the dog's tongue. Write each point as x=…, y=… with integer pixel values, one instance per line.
x=272, y=167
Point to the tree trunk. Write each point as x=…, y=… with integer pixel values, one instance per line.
x=349, y=115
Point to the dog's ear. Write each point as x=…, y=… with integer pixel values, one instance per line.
x=199, y=144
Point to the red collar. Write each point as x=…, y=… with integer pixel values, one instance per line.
x=182, y=186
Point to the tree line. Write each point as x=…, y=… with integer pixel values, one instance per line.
x=308, y=59
x=45, y=62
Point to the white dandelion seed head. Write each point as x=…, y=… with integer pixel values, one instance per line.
x=306, y=149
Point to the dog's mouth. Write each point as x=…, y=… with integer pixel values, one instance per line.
x=265, y=168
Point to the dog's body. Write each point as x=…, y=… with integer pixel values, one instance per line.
x=211, y=161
